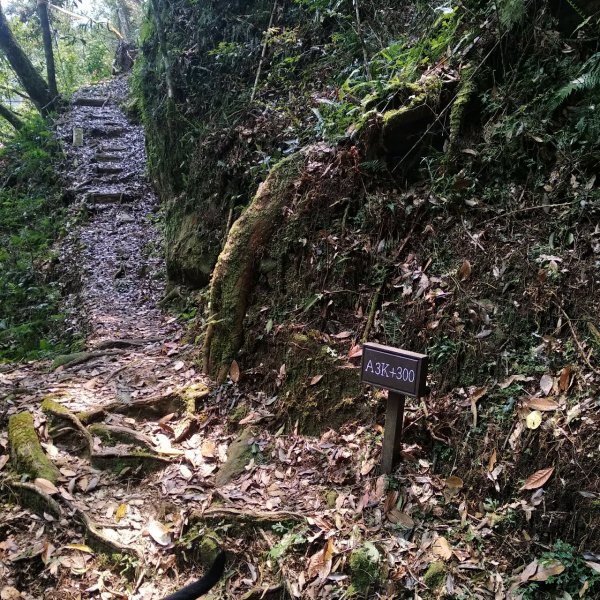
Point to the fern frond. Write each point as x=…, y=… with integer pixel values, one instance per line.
x=587, y=79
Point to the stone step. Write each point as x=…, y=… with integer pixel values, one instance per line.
x=91, y=101
x=109, y=197
x=108, y=169
x=104, y=157
x=107, y=133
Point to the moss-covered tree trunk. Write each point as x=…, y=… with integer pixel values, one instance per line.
x=234, y=273
x=11, y=117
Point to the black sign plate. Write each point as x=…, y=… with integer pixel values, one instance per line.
x=394, y=369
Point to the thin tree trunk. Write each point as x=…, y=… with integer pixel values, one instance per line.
x=42, y=8
x=30, y=79
x=11, y=117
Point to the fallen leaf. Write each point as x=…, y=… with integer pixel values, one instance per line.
x=208, y=449
x=355, y=351
x=120, y=512
x=546, y=384
x=565, y=379
x=4, y=458
x=185, y=471
x=320, y=563
x=442, y=548
x=10, y=593
x=316, y=379
x=593, y=565
x=542, y=404
x=159, y=533
x=80, y=547
x=538, y=479
x=400, y=518
x=534, y=419
x=492, y=460
x=465, y=270
x=454, y=482
x=510, y=380
x=342, y=335
x=178, y=365
x=547, y=570
x=234, y=371
x=45, y=486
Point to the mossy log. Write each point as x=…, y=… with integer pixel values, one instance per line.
x=26, y=451
x=234, y=273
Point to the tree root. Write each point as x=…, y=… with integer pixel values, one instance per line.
x=116, y=433
x=58, y=412
x=125, y=343
x=70, y=360
x=247, y=516
x=35, y=499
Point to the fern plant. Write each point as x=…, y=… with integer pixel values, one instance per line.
x=588, y=78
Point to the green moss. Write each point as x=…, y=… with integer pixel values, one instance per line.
x=233, y=277
x=192, y=394
x=435, y=576
x=331, y=497
x=239, y=455
x=51, y=407
x=237, y=414
x=26, y=451
x=464, y=95
x=365, y=567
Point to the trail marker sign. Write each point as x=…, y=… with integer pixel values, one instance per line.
x=402, y=373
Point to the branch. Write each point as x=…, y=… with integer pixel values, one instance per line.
x=72, y=14
x=11, y=117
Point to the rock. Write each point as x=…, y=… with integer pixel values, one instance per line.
x=238, y=456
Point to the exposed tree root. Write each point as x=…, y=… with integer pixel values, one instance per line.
x=125, y=343
x=247, y=516
x=77, y=358
x=57, y=412
x=126, y=435
x=35, y=499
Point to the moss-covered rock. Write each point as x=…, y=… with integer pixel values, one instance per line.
x=365, y=567
x=435, y=577
x=26, y=451
x=239, y=455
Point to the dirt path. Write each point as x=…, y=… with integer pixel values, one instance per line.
x=155, y=467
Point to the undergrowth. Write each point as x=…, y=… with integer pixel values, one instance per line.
x=31, y=218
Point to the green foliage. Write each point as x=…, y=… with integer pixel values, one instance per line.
x=511, y=12
x=571, y=581
x=30, y=221
x=365, y=566
x=288, y=540
x=588, y=79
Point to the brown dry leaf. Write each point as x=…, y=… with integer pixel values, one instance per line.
x=442, y=548
x=342, y=335
x=355, y=351
x=492, y=460
x=4, y=458
x=83, y=483
x=45, y=486
x=546, y=384
x=120, y=512
x=538, y=479
x=10, y=593
x=159, y=533
x=510, y=380
x=454, y=482
x=474, y=395
x=316, y=379
x=465, y=270
x=80, y=547
x=534, y=419
x=208, y=449
x=234, y=371
x=547, y=570
x=398, y=517
x=320, y=563
x=178, y=365
x=542, y=404
x=593, y=565
x=565, y=379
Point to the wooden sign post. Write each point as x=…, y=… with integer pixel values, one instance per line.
x=402, y=373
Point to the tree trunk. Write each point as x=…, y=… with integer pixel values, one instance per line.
x=42, y=8
x=30, y=79
x=11, y=117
